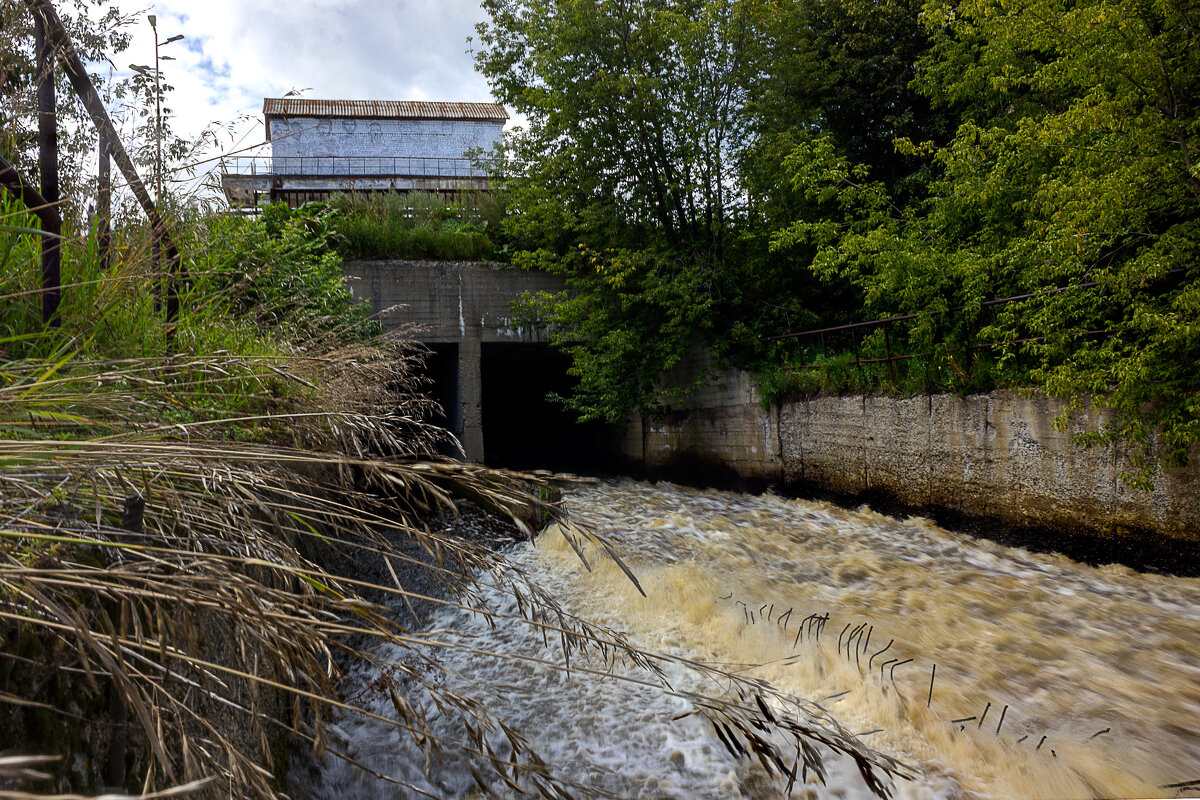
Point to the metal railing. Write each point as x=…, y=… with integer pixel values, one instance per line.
x=353, y=167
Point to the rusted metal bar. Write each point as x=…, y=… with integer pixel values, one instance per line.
x=882, y=360
x=60, y=43
x=984, y=304
x=846, y=327
x=48, y=167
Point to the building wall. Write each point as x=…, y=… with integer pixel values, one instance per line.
x=309, y=137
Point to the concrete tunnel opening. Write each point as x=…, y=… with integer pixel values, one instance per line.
x=441, y=372
x=523, y=429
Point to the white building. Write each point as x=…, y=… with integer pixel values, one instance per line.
x=324, y=146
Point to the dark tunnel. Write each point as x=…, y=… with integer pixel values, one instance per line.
x=441, y=369
x=522, y=429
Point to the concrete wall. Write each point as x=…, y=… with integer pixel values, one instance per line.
x=307, y=137
x=996, y=455
x=461, y=303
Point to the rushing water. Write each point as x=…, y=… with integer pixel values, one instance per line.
x=1065, y=680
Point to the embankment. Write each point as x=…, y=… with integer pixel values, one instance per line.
x=997, y=458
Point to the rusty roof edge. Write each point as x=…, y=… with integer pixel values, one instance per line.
x=383, y=109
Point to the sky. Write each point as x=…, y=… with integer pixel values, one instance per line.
x=236, y=52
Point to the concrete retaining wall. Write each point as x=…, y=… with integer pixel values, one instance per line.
x=996, y=455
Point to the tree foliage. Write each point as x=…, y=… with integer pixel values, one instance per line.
x=719, y=171
x=98, y=30
x=625, y=179
x=1073, y=165
x=280, y=271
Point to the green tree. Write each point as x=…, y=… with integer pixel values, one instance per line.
x=99, y=30
x=1074, y=163
x=833, y=94
x=625, y=180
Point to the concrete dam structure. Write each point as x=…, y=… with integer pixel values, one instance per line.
x=995, y=456
x=491, y=378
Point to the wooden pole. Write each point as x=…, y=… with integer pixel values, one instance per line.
x=48, y=167
x=11, y=180
x=104, y=205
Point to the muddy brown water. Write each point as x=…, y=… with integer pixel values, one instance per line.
x=1050, y=678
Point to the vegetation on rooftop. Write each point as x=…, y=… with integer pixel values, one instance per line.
x=416, y=225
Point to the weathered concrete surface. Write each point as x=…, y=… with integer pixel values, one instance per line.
x=721, y=425
x=453, y=302
x=997, y=455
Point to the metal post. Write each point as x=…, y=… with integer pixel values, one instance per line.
x=57, y=35
x=48, y=166
x=172, y=291
x=157, y=116
x=154, y=276
x=887, y=351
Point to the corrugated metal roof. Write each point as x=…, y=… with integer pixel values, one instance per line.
x=382, y=109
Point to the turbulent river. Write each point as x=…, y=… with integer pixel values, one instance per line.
x=989, y=671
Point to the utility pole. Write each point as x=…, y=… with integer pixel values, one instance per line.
x=48, y=167
x=172, y=292
x=158, y=170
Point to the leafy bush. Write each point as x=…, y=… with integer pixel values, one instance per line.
x=281, y=270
